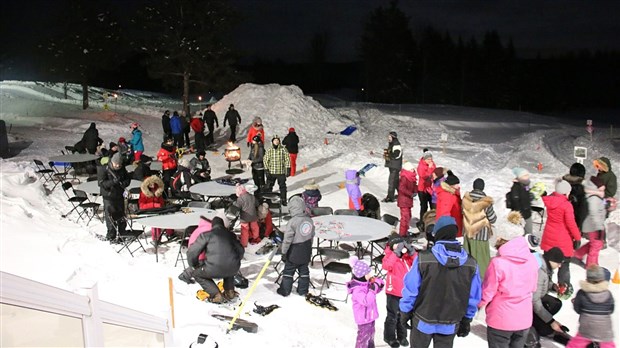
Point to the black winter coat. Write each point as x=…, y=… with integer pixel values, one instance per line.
x=291, y=142
x=577, y=198
x=233, y=118
x=112, y=183
x=395, y=155
x=520, y=200
x=222, y=249
x=210, y=117
x=165, y=124
x=91, y=139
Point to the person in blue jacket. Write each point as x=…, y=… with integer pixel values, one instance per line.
x=176, y=127
x=442, y=290
x=136, y=142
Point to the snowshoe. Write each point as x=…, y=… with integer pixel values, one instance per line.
x=320, y=301
x=262, y=310
x=265, y=249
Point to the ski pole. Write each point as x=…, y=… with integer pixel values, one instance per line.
x=247, y=296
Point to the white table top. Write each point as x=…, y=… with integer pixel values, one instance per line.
x=349, y=228
x=92, y=187
x=212, y=189
x=155, y=166
x=74, y=158
x=178, y=220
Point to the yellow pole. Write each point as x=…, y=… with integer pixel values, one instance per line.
x=170, y=290
x=247, y=296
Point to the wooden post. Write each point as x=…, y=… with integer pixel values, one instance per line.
x=171, y=291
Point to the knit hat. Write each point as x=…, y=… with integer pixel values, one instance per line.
x=311, y=185
x=359, y=268
x=445, y=228
x=452, y=179
x=439, y=172
x=479, y=184
x=112, y=144
x=395, y=239
x=291, y=130
x=563, y=187
x=408, y=166
x=598, y=182
x=595, y=274
x=117, y=159
x=393, y=134
x=513, y=229
x=200, y=153
x=121, y=140
x=577, y=169
x=554, y=254
x=275, y=137
x=520, y=172
x=427, y=155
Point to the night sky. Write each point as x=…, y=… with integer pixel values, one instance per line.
x=282, y=29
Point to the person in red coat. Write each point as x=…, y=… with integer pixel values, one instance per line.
x=256, y=129
x=399, y=256
x=151, y=197
x=561, y=229
x=198, y=126
x=449, y=200
x=426, y=166
x=407, y=188
x=168, y=159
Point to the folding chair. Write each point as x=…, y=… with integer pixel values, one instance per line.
x=133, y=197
x=333, y=266
x=197, y=204
x=128, y=237
x=275, y=205
x=320, y=211
x=184, y=244
x=74, y=200
x=541, y=213
x=87, y=206
x=44, y=173
x=346, y=212
x=57, y=176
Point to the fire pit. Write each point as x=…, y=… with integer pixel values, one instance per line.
x=232, y=153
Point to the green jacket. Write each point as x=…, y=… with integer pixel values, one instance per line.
x=277, y=160
x=609, y=178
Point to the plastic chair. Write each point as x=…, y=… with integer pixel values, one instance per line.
x=184, y=243
x=333, y=266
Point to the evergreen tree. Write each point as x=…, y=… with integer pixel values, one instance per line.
x=187, y=41
x=387, y=50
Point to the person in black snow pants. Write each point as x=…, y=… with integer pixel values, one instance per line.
x=233, y=118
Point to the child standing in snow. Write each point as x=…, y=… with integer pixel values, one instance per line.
x=594, y=223
x=352, y=184
x=397, y=262
x=407, y=188
x=364, y=289
x=311, y=196
x=249, y=216
x=594, y=303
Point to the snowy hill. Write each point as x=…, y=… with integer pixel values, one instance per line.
x=38, y=244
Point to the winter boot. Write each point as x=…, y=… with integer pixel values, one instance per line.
x=230, y=295
x=218, y=298
x=533, y=339
x=404, y=342
x=392, y=343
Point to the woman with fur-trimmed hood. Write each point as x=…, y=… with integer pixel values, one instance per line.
x=449, y=200
x=478, y=215
x=151, y=197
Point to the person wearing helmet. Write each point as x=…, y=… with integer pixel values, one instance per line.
x=278, y=167
x=136, y=141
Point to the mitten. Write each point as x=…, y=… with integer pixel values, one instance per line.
x=464, y=327
x=576, y=244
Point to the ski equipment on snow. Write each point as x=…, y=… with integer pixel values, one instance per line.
x=320, y=301
x=264, y=310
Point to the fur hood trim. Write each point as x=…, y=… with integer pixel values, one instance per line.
x=153, y=179
x=590, y=287
x=448, y=188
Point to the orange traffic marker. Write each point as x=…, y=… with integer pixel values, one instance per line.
x=616, y=278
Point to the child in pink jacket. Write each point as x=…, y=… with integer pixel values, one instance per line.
x=364, y=289
x=507, y=289
x=407, y=188
x=399, y=256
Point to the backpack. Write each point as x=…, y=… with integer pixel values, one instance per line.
x=508, y=200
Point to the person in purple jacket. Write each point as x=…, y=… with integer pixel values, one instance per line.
x=363, y=289
x=352, y=185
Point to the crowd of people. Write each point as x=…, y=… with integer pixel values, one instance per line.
x=434, y=293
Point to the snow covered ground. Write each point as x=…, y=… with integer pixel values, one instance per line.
x=37, y=243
